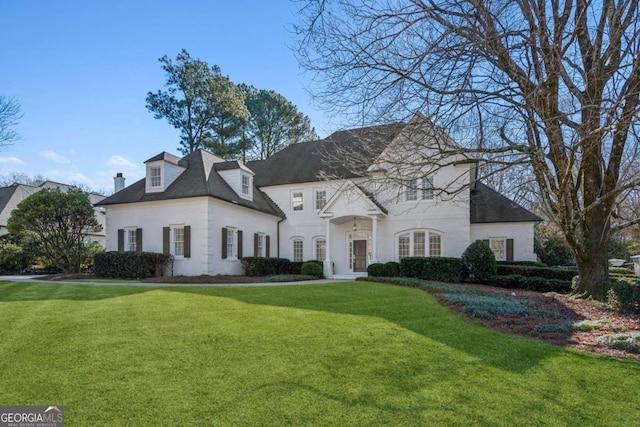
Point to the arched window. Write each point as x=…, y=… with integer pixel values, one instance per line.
x=297, y=249
x=320, y=248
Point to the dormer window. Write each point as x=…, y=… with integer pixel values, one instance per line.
x=245, y=184
x=155, y=175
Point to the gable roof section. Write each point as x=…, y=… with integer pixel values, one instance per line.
x=313, y=161
x=167, y=157
x=200, y=178
x=487, y=206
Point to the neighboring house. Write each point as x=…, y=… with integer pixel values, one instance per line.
x=12, y=195
x=301, y=204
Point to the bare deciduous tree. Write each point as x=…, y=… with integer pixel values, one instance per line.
x=10, y=114
x=552, y=84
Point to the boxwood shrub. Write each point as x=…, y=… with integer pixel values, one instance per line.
x=376, y=270
x=389, y=269
x=479, y=263
x=260, y=266
x=538, y=284
x=131, y=265
x=432, y=268
x=540, y=272
x=624, y=295
x=311, y=268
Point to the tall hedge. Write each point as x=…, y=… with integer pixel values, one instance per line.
x=131, y=265
x=432, y=268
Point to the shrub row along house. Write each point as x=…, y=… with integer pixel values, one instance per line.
x=357, y=197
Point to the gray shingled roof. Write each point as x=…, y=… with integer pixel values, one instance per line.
x=167, y=157
x=312, y=161
x=200, y=178
x=487, y=205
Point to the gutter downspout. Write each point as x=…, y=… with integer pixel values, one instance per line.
x=278, y=237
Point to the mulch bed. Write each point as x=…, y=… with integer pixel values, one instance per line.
x=567, y=308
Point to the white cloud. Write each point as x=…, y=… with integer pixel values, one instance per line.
x=54, y=157
x=11, y=161
x=117, y=161
x=67, y=177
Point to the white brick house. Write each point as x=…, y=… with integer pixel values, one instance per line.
x=209, y=212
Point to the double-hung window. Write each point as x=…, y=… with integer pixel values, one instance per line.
x=178, y=241
x=131, y=241
x=297, y=201
x=321, y=199
x=245, y=184
x=321, y=249
x=155, y=176
x=298, y=250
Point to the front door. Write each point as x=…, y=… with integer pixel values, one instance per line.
x=359, y=256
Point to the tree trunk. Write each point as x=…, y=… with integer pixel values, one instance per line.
x=593, y=266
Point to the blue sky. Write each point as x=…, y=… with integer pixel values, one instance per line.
x=81, y=71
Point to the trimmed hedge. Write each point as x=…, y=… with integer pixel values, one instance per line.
x=310, y=268
x=432, y=268
x=538, y=284
x=540, y=272
x=260, y=266
x=389, y=269
x=131, y=265
x=526, y=263
x=624, y=295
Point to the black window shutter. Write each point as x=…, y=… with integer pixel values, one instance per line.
x=187, y=241
x=121, y=240
x=255, y=244
x=224, y=242
x=138, y=239
x=509, y=249
x=166, y=239
x=486, y=242
x=239, y=243
x=267, y=246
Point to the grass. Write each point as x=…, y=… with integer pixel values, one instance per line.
x=340, y=354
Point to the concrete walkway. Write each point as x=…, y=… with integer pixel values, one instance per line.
x=33, y=279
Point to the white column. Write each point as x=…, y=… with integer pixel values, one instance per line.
x=374, y=239
x=327, y=264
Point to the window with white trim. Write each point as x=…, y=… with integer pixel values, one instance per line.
x=411, y=191
x=130, y=239
x=419, y=243
x=298, y=250
x=260, y=245
x=321, y=199
x=231, y=242
x=435, y=244
x=297, y=201
x=321, y=249
x=419, y=189
x=245, y=184
x=178, y=240
x=155, y=176
x=499, y=248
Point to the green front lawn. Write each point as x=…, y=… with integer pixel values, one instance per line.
x=342, y=354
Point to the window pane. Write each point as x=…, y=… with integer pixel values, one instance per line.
x=131, y=240
x=321, y=199
x=427, y=188
x=297, y=251
x=260, y=245
x=155, y=177
x=499, y=249
x=435, y=244
x=403, y=246
x=321, y=249
x=419, y=243
x=178, y=241
x=297, y=201
x=411, y=191
x=245, y=184
x=230, y=240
